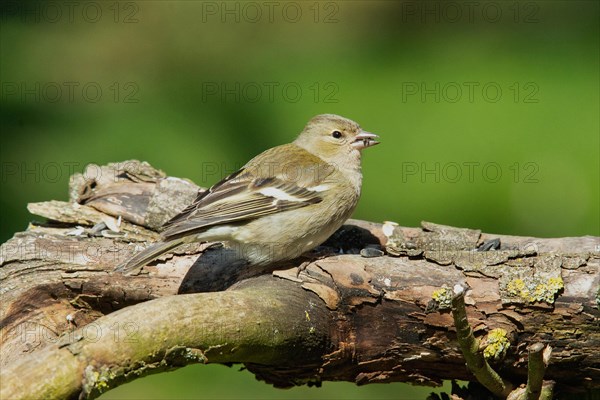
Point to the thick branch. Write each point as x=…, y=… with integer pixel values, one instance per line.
x=252, y=323
x=346, y=317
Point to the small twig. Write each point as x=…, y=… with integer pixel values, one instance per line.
x=535, y=372
x=539, y=357
x=547, y=390
x=469, y=346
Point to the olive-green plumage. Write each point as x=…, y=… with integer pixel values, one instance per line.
x=285, y=201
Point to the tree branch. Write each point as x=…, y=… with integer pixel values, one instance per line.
x=71, y=326
x=251, y=323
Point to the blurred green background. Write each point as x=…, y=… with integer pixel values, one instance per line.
x=488, y=113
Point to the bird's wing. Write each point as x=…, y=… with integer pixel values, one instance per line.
x=240, y=197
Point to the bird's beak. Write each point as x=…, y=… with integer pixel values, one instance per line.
x=364, y=140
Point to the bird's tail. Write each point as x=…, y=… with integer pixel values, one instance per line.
x=145, y=256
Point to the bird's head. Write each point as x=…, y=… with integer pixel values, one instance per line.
x=334, y=139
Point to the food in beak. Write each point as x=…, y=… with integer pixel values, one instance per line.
x=364, y=140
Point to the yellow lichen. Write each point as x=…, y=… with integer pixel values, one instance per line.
x=496, y=344
x=556, y=284
x=539, y=293
x=517, y=287
x=443, y=297
x=102, y=384
x=532, y=290
x=98, y=381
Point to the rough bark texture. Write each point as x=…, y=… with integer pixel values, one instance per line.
x=67, y=328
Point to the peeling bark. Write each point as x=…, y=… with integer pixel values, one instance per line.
x=344, y=317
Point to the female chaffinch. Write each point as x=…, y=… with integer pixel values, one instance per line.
x=282, y=203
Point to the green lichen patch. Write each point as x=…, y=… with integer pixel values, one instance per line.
x=493, y=263
x=398, y=244
x=434, y=237
x=574, y=261
x=486, y=263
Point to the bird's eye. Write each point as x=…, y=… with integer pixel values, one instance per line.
x=336, y=134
